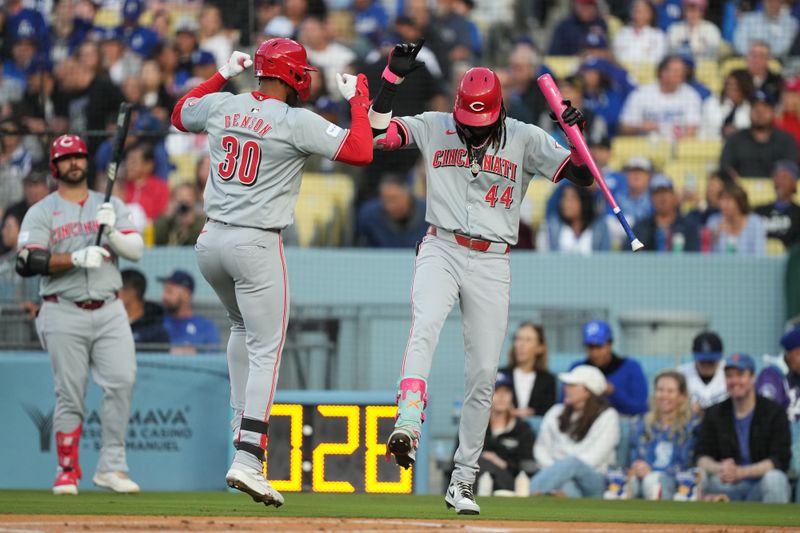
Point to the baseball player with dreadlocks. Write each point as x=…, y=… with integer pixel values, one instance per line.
x=259, y=142
x=478, y=165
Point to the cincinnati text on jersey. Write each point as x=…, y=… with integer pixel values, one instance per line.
x=73, y=229
x=247, y=122
x=457, y=157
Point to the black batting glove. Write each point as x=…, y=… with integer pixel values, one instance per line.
x=571, y=116
x=403, y=60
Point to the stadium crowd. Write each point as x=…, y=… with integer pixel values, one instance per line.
x=693, y=109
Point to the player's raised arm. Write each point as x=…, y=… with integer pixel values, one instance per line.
x=189, y=113
x=356, y=148
x=402, y=61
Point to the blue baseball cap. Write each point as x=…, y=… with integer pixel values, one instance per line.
x=791, y=339
x=23, y=27
x=503, y=380
x=132, y=9
x=707, y=346
x=661, y=181
x=742, y=361
x=202, y=57
x=179, y=277
x=596, y=332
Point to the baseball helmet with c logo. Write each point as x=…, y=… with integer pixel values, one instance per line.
x=286, y=60
x=64, y=145
x=479, y=98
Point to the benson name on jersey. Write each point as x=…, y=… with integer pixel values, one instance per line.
x=457, y=157
x=248, y=122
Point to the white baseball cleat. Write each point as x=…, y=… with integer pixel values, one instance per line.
x=252, y=482
x=459, y=496
x=115, y=481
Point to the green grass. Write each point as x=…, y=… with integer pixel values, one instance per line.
x=387, y=506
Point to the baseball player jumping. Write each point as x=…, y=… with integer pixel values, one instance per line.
x=259, y=142
x=82, y=324
x=478, y=164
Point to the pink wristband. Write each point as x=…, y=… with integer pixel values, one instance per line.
x=390, y=76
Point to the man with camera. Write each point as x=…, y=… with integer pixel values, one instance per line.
x=182, y=222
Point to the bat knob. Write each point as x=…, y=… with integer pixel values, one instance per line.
x=636, y=245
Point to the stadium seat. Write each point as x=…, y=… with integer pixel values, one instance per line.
x=706, y=71
x=538, y=192
x=185, y=169
x=733, y=63
x=312, y=215
x=759, y=190
x=691, y=149
x=625, y=146
x=689, y=174
x=775, y=247
x=108, y=18
x=643, y=72
x=561, y=66
x=340, y=190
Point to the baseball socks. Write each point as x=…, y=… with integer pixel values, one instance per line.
x=69, y=468
x=412, y=398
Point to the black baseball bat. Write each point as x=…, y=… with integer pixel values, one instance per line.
x=123, y=122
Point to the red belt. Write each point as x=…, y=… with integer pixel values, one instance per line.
x=479, y=245
x=89, y=305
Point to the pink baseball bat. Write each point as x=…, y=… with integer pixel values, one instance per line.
x=554, y=98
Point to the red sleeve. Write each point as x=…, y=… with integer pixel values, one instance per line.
x=356, y=148
x=211, y=85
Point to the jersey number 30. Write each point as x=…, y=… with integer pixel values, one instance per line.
x=247, y=160
x=505, y=198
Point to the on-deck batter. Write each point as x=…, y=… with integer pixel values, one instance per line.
x=259, y=142
x=478, y=165
x=81, y=323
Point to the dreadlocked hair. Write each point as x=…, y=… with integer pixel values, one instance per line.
x=497, y=136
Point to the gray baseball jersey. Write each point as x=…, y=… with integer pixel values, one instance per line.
x=78, y=340
x=258, y=148
x=486, y=205
x=62, y=226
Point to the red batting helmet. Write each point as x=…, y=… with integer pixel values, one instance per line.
x=479, y=98
x=66, y=145
x=286, y=60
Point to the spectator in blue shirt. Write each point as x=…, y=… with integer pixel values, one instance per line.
x=370, y=20
x=627, y=386
x=662, y=441
x=569, y=34
x=188, y=333
x=635, y=201
x=138, y=38
x=396, y=219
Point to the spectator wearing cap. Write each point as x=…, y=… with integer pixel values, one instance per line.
x=689, y=64
x=635, y=198
x=735, y=230
x=758, y=57
x=139, y=39
x=508, y=446
x=141, y=185
x=35, y=186
x=188, y=333
x=533, y=385
x=694, y=33
x=782, y=217
x=370, y=20
x=577, y=440
x=705, y=376
x=774, y=24
x=395, y=219
x=182, y=222
x=640, y=41
x=29, y=44
x=576, y=228
x=118, y=60
x=15, y=162
x=788, y=117
x=662, y=441
x=752, y=152
x=30, y=20
x=626, y=387
x=203, y=66
x=584, y=18
x=67, y=31
x=605, y=88
x=780, y=381
x=212, y=36
x=666, y=229
x=744, y=443
x=146, y=318
x=729, y=112
x=668, y=107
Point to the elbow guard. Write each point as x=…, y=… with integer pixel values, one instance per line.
x=32, y=262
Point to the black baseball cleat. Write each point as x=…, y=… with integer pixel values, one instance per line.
x=403, y=445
